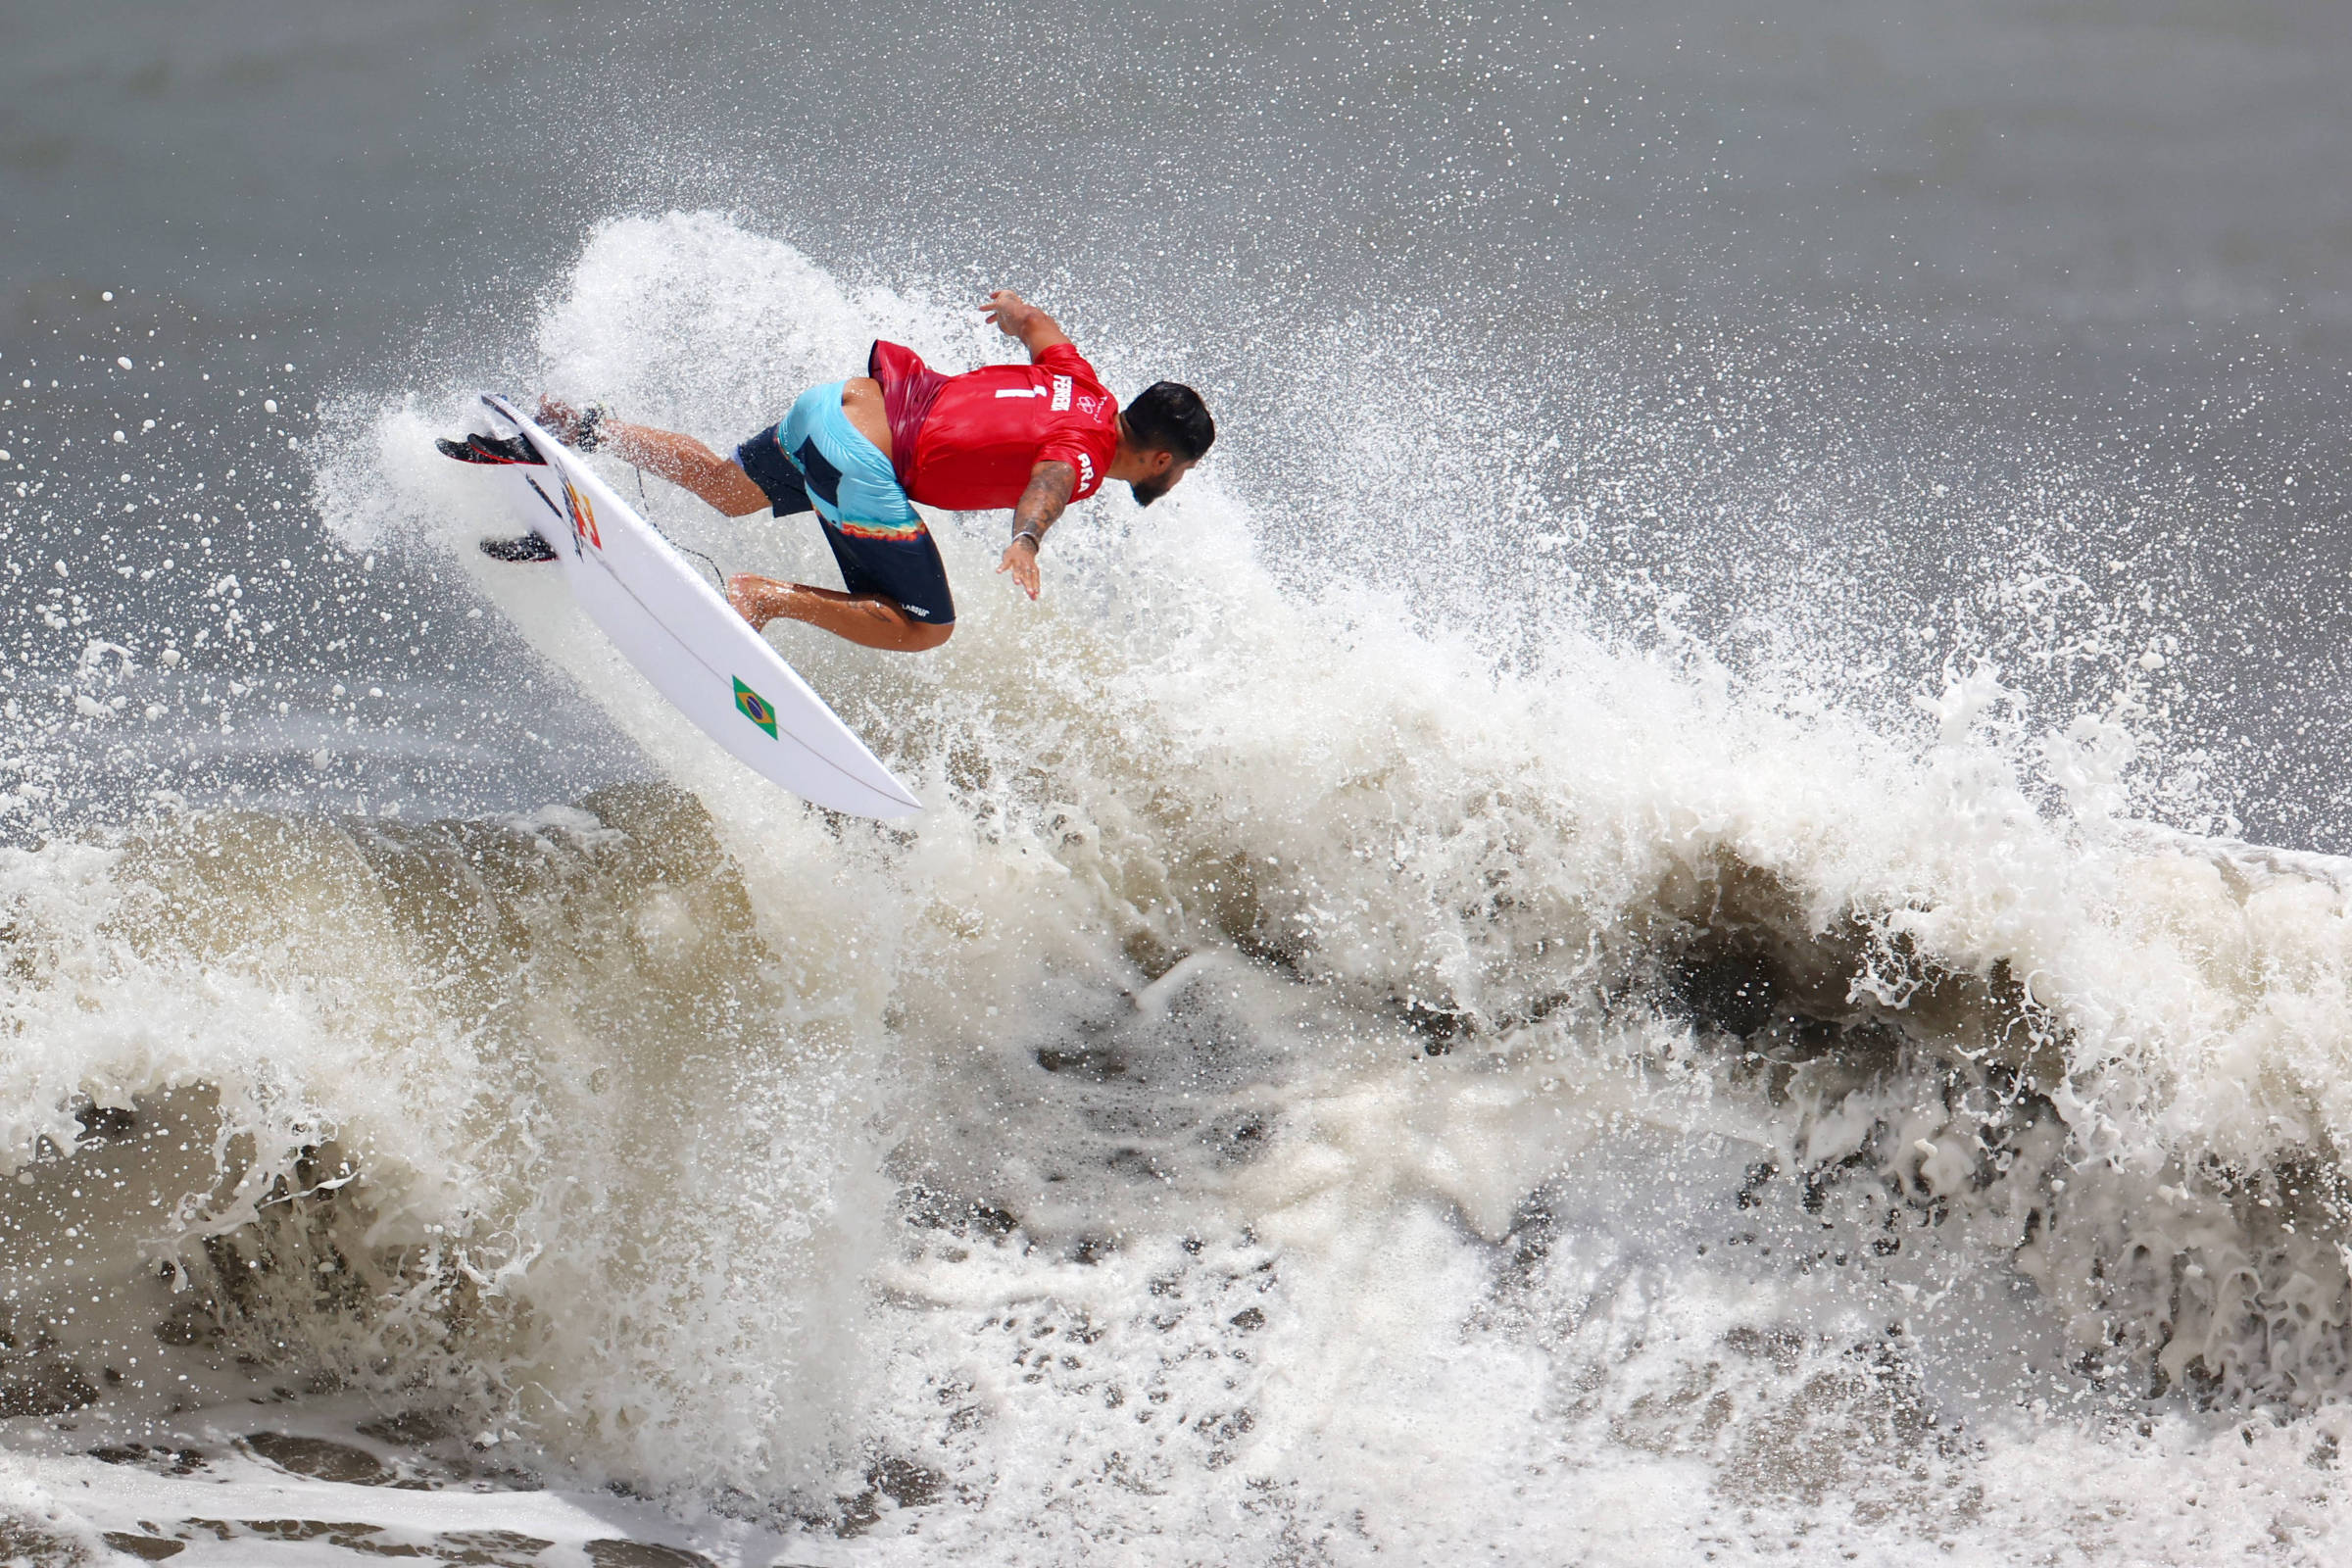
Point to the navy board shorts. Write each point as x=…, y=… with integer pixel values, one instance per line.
x=815, y=460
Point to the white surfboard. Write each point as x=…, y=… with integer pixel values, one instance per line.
x=681, y=635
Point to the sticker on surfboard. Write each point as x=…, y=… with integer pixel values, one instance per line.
x=583, y=516
x=754, y=707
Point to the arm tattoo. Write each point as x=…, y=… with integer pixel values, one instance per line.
x=1049, y=492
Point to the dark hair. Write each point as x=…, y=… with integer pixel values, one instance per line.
x=1167, y=416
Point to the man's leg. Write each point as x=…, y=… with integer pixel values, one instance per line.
x=687, y=463
x=680, y=459
x=871, y=620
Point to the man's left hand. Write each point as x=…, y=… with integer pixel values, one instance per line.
x=1020, y=558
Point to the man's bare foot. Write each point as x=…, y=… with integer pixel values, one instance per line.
x=576, y=428
x=758, y=599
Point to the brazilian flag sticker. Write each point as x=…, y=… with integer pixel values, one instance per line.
x=754, y=707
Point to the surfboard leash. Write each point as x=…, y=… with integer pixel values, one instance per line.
x=717, y=577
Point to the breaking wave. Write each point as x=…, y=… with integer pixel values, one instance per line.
x=1308, y=1082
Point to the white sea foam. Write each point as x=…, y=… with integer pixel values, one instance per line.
x=1304, y=1090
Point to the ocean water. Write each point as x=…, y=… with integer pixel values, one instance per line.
x=1690, y=907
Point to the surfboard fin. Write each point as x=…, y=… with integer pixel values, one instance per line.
x=486, y=449
x=532, y=546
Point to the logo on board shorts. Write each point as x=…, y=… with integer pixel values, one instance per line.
x=754, y=707
x=583, y=516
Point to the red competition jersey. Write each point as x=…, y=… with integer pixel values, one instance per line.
x=967, y=443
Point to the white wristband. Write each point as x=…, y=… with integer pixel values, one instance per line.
x=1037, y=540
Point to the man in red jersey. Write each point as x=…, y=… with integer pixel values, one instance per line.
x=1034, y=437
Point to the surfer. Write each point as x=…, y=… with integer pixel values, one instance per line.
x=1033, y=437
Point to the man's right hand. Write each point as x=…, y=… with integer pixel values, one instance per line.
x=1020, y=558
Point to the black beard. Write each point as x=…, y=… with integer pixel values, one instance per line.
x=1147, y=491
